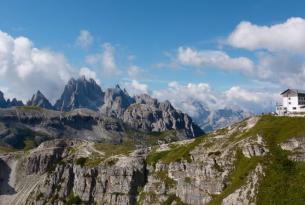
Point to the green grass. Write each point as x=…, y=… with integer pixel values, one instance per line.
x=81, y=161
x=176, y=153
x=115, y=149
x=284, y=179
x=6, y=149
x=27, y=107
x=278, y=129
x=242, y=168
x=29, y=144
x=73, y=199
x=173, y=198
x=147, y=139
x=163, y=177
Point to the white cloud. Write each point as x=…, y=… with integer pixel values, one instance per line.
x=134, y=71
x=285, y=70
x=108, y=59
x=105, y=60
x=84, y=39
x=24, y=68
x=219, y=59
x=259, y=101
x=288, y=36
x=135, y=87
x=240, y=94
x=186, y=97
x=183, y=96
x=89, y=74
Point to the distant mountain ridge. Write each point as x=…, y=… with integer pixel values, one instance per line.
x=9, y=103
x=140, y=111
x=213, y=119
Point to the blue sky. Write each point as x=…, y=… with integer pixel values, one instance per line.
x=147, y=36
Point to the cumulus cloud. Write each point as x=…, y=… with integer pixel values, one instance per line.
x=134, y=71
x=84, y=39
x=184, y=96
x=104, y=60
x=283, y=69
x=24, y=68
x=252, y=99
x=191, y=97
x=135, y=87
x=219, y=59
x=286, y=36
x=89, y=74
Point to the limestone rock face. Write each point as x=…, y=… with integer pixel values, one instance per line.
x=37, y=125
x=40, y=100
x=116, y=102
x=247, y=193
x=254, y=147
x=59, y=178
x=203, y=174
x=296, y=146
x=74, y=171
x=80, y=93
x=150, y=115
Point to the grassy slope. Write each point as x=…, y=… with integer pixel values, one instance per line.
x=284, y=182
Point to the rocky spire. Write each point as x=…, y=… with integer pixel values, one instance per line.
x=40, y=100
x=116, y=102
x=80, y=93
x=3, y=103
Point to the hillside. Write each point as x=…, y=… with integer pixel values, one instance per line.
x=257, y=161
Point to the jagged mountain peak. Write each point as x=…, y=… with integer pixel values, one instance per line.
x=2, y=100
x=80, y=93
x=40, y=100
x=9, y=103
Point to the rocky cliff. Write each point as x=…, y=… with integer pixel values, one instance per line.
x=21, y=127
x=80, y=93
x=247, y=163
x=39, y=100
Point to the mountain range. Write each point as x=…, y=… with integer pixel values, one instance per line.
x=210, y=119
x=142, y=111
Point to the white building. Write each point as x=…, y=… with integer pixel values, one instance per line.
x=293, y=102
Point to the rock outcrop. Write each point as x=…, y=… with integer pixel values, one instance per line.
x=116, y=102
x=58, y=176
x=257, y=161
x=150, y=115
x=40, y=100
x=80, y=93
x=34, y=124
x=71, y=171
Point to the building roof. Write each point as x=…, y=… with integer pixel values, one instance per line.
x=297, y=91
